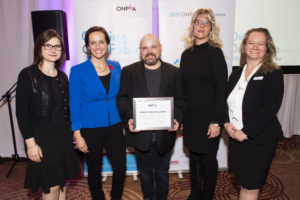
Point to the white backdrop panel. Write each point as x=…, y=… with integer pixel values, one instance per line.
x=174, y=19
x=125, y=21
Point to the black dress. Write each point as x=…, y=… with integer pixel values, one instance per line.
x=204, y=73
x=59, y=161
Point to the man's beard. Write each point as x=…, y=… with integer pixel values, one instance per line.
x=151, y=62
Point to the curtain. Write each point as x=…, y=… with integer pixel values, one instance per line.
x=289, y=113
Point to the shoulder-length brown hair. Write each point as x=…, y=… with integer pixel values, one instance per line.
x=87, y=39
x=267, y=62
x=214, y=38
x=44, y=37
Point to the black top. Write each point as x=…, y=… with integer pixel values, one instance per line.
x=58, y=105
x=153, y=84
x=153, y=81
x=40, y=100
x=105, y=81
x=204, y=74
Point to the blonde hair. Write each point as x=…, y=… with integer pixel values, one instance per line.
x=214, y=35
x=267, y=61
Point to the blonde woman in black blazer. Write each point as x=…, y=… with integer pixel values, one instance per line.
x=255, y=94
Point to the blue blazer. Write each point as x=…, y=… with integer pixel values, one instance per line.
x=90, y=105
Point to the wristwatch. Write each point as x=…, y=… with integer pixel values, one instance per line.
x=216, y=124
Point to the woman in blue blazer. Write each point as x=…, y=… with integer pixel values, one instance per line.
x=255, y=94
x=95, y=120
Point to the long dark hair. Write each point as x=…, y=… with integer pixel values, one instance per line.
x=44, y=37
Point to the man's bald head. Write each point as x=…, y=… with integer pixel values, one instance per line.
x=150, y=50
x=149, y=37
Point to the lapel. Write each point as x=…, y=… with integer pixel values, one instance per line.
x=234, y=79
x=164, y=76
x=93, y=77
x=114, y=79
x=249, y=90
x=142, y=82
x=256, y=74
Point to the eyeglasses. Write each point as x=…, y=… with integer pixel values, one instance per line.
x=56, y=47
x=258, y=44
x=200, y=22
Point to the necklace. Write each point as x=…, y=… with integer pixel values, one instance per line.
x=99, y=66
x=102, y=70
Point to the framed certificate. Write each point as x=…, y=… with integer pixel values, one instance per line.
x=153, y=113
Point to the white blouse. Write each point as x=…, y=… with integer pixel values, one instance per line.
x=235, y=99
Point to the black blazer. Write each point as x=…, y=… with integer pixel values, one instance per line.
x=261, y=102
x=133, y=84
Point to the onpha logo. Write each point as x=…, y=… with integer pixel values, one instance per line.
x=126, y=8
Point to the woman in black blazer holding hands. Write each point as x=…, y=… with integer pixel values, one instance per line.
x=255, y=94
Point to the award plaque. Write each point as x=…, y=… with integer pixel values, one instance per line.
x=153, y=113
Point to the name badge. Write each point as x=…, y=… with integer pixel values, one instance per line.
x=258, y=78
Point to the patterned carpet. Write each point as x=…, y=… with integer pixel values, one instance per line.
x=282, y=182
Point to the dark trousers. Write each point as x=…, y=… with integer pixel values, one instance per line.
x=112, y=139
x=204, y=172
x=154, y=172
